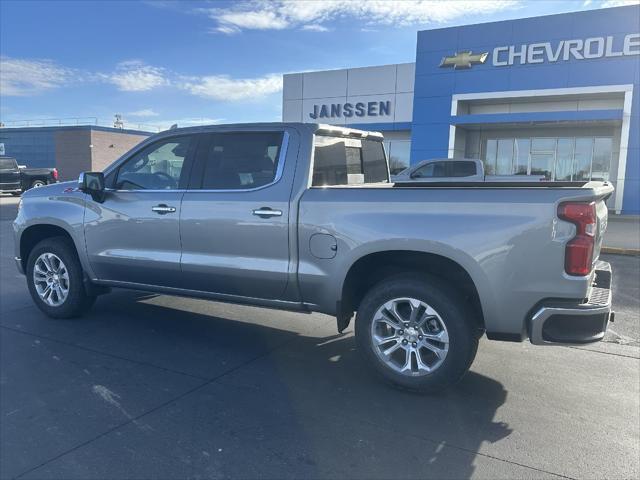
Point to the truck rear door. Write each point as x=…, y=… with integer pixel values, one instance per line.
x=234, y=223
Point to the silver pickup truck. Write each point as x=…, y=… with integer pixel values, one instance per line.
x=457, y=170
x=303, y=217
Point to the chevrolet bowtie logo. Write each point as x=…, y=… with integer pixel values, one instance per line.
x=464, y=59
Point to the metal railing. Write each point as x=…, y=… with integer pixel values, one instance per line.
x=79, y=121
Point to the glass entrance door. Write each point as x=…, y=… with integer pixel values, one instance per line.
x=557, y=158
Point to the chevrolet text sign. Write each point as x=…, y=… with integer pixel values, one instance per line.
x=579, y=49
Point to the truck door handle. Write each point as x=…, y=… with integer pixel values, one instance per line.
x=163, y=209
x=266, y=212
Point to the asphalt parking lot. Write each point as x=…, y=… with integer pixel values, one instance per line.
x=153, y=386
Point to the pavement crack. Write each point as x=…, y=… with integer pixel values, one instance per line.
x=605, y=353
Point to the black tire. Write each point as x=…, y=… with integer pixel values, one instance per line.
x=454, y=313
x=77, y=301
x=38, y=183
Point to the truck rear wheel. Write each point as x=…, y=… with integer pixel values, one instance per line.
x=38, y=183
x=55, y=279
x=416, y=332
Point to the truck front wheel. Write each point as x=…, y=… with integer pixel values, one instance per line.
x=55, y=279
x=416, y=332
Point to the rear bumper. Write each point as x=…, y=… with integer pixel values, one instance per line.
x=560, y=323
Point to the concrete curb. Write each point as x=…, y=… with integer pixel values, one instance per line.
x=620, y=251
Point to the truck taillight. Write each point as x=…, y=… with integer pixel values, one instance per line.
x=55, y=174
x=578, y=257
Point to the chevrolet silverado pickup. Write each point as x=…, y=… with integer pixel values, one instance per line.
x=456, y=169
x=303, y=217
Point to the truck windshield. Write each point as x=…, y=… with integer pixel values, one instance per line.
x=348, y=161
x=8, y=163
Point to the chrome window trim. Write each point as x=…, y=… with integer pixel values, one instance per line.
x=167, y=190
x=284, y=147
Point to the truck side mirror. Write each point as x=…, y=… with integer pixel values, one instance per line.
x=93, y=184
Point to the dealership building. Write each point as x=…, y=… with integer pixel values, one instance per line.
x=554, y=95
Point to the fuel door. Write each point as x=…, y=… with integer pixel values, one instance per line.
x=323, y=245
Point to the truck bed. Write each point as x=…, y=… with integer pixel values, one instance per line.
x=507, y=236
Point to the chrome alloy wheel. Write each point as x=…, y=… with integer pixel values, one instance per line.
x=51, y=279
x=409, y=337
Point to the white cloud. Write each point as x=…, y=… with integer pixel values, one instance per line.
x=136, y=76
x=21, y=77
x=145, y=112
x=280, y=14
x=225, y=88
x=29, y=77
x=619, y=3
x=315, y=28
x=231, y=21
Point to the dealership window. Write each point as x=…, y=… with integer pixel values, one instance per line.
x=399, y=153
x=557, y=158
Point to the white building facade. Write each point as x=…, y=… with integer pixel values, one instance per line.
x=374, y=98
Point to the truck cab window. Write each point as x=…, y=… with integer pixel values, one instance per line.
x=462, y=168
x=446, y=168
x=8, y=163
x=348, y=161
x=239, y=161
x=157, y=167
x=430, y=170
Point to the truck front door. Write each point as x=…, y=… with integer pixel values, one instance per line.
x=234, y=222
x=134, y=235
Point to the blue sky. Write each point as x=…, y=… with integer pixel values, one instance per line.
x=158, y=63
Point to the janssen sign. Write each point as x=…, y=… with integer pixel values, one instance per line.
x=349, y=109
x=564, y=50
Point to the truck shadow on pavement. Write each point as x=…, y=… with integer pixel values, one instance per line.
x=281, y=395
